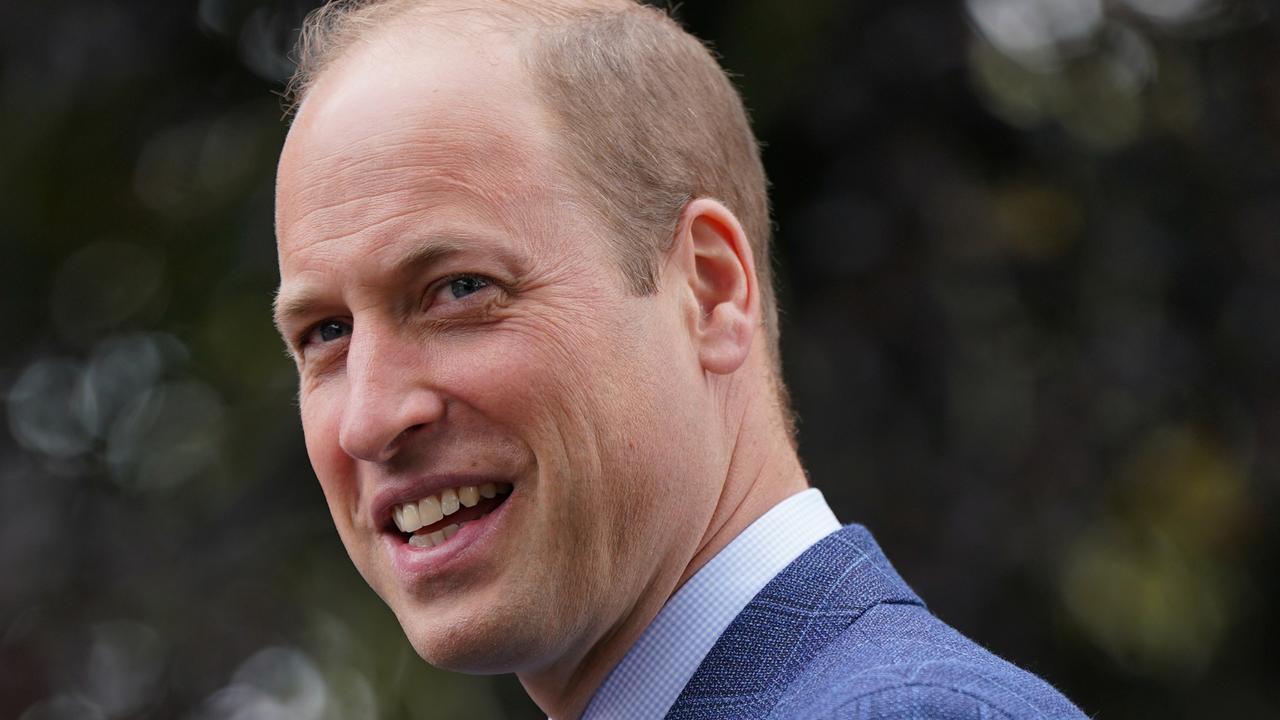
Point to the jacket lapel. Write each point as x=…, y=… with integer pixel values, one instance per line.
x=814, y=599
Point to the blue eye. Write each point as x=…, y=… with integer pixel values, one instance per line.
x=467, y=284
x=331, y=330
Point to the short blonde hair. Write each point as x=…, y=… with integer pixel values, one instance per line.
x=647, y=118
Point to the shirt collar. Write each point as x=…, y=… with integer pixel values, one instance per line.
x=654, y=671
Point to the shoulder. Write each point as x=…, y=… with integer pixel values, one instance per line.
x=900, y=661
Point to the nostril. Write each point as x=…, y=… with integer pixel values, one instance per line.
x=406, y=435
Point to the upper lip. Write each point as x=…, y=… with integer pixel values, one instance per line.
x=387, y=499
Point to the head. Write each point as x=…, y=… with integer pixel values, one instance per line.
x=522, y=245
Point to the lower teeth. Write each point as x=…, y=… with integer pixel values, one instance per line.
x=427, y=540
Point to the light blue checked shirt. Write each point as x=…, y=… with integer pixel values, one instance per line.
x=654, y=671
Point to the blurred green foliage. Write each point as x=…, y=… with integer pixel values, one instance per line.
x=1029, y=253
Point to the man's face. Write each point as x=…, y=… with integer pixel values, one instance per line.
x=459, y=322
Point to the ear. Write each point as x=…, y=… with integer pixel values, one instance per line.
x=719, y=269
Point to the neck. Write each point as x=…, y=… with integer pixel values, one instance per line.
x=763, y=470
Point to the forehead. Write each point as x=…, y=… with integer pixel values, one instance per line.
x=405, y=119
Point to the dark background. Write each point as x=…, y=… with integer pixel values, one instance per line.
x=1029, y=254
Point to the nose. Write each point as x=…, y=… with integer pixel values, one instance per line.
x=389, y=396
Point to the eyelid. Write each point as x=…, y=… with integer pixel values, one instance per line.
x=304, y=338
x=447, y=279
x=434, y=288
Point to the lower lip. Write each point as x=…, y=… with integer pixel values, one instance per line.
x=418, y=564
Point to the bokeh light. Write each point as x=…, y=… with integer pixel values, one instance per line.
x=1029, y=257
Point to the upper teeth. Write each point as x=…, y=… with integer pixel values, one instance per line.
x=413, y=516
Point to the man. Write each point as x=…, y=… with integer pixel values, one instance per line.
x=523, y=254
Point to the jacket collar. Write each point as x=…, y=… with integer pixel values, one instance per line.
x=813, y=600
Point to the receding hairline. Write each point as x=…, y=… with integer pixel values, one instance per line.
x=616, y=76
x=517, y=20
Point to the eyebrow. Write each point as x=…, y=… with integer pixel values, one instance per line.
x=434, y=249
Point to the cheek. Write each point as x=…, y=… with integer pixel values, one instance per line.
x=527, y=373
x=321, y=418
x=549, y=384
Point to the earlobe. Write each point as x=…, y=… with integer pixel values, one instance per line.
x=722, y=281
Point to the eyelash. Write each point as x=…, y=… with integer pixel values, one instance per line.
x=304, y=340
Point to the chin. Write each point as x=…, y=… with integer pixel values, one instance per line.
x=483, y=643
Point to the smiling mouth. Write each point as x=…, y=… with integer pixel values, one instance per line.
x=435, y=519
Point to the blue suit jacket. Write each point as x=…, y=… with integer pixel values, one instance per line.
x=838, y=634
